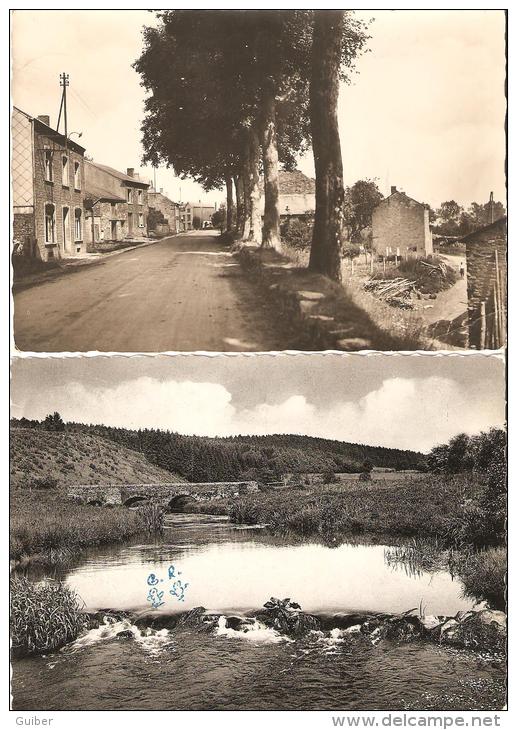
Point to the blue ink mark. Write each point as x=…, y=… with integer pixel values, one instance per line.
x=178, y=589
x=155, y=597
x=152, y=580
x=171, y=572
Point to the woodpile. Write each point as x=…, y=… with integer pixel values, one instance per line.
x=396, y=292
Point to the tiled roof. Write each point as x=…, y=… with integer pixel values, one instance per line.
x=98, y=193
x=295, y=182
x=120, y=175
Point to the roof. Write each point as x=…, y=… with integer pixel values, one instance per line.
x=159, y=195
x=295, y=182
x=400, y=193
x=497, y=226
x=98, y=193
x=120, y=175
x=52, y=132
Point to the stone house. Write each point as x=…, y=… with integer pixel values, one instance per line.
x=47, y=171
x=169, y=210
x=487, y=285
x=193, y=212
x=296, y=195
x=116, y=202
x=400, y=226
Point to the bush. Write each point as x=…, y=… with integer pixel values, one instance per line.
x=297, y=233
x=44, y=616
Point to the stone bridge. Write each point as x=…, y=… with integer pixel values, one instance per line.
x=169, y=496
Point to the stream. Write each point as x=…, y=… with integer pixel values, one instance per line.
x=203, y=560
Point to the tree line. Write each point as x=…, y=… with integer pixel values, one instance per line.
x=262, y=458
x=232, y=95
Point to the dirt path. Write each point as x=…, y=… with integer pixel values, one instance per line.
x=185, y=293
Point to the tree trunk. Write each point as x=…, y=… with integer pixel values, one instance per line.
x=229, y=202
x=239, y=197
x=246, y=197
x=271, y=228
x=254, y=178
x=325, y=255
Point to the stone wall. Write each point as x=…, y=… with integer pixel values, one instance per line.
x=168, y=208
x=400, y=224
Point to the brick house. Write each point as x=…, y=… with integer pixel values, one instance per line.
x=296, y=195
x=170, y=212
x=400, y=225
x=486, y=285
x=47, y=171
x=116, y=204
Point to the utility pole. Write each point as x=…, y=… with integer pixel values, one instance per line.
x=154, y=169
x=63, y=83
x=491, y=204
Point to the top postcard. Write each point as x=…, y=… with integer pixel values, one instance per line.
x=291, y=180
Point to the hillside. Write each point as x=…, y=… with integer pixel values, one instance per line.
x=77, y=458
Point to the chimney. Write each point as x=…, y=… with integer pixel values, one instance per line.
x=130, y=171
x=393, y=189
x=45, y=119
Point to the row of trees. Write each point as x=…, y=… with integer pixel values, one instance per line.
x=452, y=219
x=233, y=95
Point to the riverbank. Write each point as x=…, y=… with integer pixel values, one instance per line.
x=49, y=528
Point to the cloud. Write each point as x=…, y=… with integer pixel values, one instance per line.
x=411, y=413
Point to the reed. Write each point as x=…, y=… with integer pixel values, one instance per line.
x=152, y=517
x=44, y=616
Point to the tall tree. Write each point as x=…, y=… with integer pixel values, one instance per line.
x=325, y=255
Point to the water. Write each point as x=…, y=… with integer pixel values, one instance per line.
x=233, y=571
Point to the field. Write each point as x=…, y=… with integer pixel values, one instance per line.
x=77, y=458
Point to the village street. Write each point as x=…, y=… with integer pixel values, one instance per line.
x=183, y=293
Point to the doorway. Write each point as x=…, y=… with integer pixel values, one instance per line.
x=66, y=230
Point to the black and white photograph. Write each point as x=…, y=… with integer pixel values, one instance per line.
x=258, y=419
x=332, y=537
x=258, y=180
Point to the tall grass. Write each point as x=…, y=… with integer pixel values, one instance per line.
x=44, y=616
x=484, y=576
x=50, y=525
x=152, y=517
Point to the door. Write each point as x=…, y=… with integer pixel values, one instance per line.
x=113, y=230
x=130, y=223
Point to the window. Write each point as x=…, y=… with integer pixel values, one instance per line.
x=141, y=220
x=78, y=227
x=77, y=176
x=64, y=176
x=50, y=223
x=47, y=162
x=139, y=197
x=129, y=195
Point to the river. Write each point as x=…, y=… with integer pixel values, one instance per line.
x=205, y=561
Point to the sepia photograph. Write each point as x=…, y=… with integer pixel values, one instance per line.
x=332, y=537
x=258, y=180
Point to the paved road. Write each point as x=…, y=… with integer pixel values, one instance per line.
x=183, y=293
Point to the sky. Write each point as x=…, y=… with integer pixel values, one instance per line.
x=399, y=401
x=425, y=112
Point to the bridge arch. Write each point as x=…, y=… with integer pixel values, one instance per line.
x=136, y=500
x=96, y=502
x=180, y=502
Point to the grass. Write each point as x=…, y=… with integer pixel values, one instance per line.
x=405, y=508
x=43, y=616
x=484, y=575
x=53, y=528
x=77, y=458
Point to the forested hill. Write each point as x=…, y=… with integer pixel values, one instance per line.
x=246, y=457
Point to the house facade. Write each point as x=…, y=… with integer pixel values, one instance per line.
x=162, y=207
x=296, y=195
x=197, y=215
x=400, y=225
x=487, y=285
x=116, y=204
x=47, y=173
